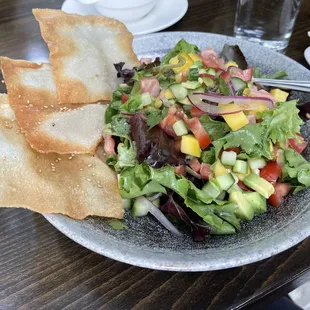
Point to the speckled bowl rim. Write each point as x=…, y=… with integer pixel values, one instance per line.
x=286, y=237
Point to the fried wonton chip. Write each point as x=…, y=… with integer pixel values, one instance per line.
x=76, y=186
x=50, y=127
x=83, y=50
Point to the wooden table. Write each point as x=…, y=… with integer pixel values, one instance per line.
x=42, y=269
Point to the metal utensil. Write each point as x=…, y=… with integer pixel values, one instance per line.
x=303, y=86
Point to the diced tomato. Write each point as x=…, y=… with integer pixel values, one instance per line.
x=180, y=170
x=226, y=76
x=184, y=76
x=251, y=118
x=298, y=147
x=211, y=60
x=150, y=85
x=212, y=77
x=281, y=190
x=168, y=121
x=177, y=145
x=179, y=113
x=195, y=112
x=109, y=145
x=195, y=164
x=245, y=75
x=199, y=132
x=271, y=172
x=243, y=186
x=124, y=97
x=205, y=171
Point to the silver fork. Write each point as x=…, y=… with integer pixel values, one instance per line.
x=303, y=86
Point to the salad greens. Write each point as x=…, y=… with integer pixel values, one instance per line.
x=197, y=140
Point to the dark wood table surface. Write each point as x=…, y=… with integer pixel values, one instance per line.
x=42, y=269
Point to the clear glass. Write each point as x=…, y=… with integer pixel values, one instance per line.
x=267, y=22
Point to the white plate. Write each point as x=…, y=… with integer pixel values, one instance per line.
x=165, y=14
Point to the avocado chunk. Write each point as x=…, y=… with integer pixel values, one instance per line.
x=259, y=184
x=257, y=202
x=179, y=91
x=244, y=211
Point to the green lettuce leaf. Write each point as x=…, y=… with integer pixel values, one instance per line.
x=208, y=156
x=250, y=139
x=223, y=87
x=132, y=105
x=282, y=123
x=215, y=129
x=296, y=170
x=155, y=116
x=142, y=179
x=126, y=156
x=136, y=181
x=181, y=46
x=120, y=126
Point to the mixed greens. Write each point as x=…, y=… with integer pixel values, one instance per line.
x=195, y=142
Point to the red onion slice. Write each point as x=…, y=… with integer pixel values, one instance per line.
x=207, y=107
x=241, y=100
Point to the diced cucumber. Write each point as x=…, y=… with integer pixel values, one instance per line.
x=211, y=71
x=200, y=89
x=185, y=101
x=240, y=166
x=257, y=202
x=225, y=181
x=179, y=128
x=212, y=188
x=127, y=203
x=244, y=211
x=238, y=84
x=257, y=163
x=179, y=91
x=207, y=81
x=124, y=87
x=259, y=184
x=229, y=158
x=141, y=207
x=191, y=84
x=202, y=71
x=146, y=99
x=221, y=196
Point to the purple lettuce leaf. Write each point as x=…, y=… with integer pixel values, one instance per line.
x=172, y=208
x=153, y=145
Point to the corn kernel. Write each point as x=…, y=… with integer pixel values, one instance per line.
x=279, y=95
x=234, y=121
x=158, y=103
x=190, y=146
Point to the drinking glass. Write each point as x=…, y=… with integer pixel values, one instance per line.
x=267, y=22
